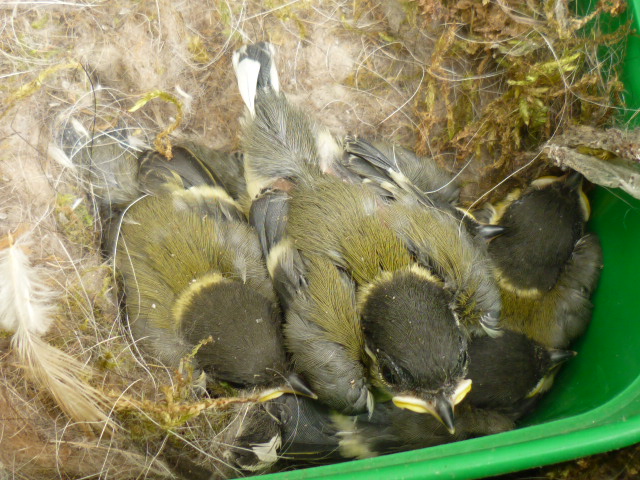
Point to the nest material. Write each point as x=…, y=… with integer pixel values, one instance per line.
x=480, y=85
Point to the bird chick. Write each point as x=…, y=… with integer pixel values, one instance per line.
x=546, y=265
x=509, y=374
x=191, y=269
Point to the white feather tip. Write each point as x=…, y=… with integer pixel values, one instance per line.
x=25, y=309
x=247, y=72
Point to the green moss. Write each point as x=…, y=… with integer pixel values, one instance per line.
x=106, y=361
x=526, y=81
x=198, y=50
x=41, y=22
x=75, y=220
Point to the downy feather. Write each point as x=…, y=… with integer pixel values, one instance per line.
x=26, y=305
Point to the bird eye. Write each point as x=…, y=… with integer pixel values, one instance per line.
x=394, y=374
x=388, y=374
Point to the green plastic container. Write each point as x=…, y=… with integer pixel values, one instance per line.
x=594, y=405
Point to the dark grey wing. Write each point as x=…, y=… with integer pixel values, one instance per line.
x=365, y=150
x=268, y=215
x=227, y=168
x=575, y=286
x=388, y=165
x=193, y=165
x=374, y=167
x=308, y=433
x=183, y=170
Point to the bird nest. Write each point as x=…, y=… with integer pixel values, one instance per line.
x=481, y=86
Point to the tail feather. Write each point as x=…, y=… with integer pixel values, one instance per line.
x=279, y=140
x=255, y=68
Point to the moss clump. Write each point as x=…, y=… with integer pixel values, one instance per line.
x=503, y=80
x=75, y=220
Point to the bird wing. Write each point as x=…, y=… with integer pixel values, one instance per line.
x=397, y=170
x=323, y=334
x=183, y=170
x=438, y=241
x=226, y=167
x=574, y=288
x=268, y=215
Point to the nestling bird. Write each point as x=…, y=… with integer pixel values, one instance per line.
x=191, y=268
x=373, y=305
x=508, y=373
x=547, y=266
x=299, y=431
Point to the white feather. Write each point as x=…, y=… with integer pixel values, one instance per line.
x=247, y=71
x=79, y=128
x=23, y=296
x=266, y=453
x=25, y=309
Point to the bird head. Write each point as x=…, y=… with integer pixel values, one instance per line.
x=417, y=350
x=510, y=369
